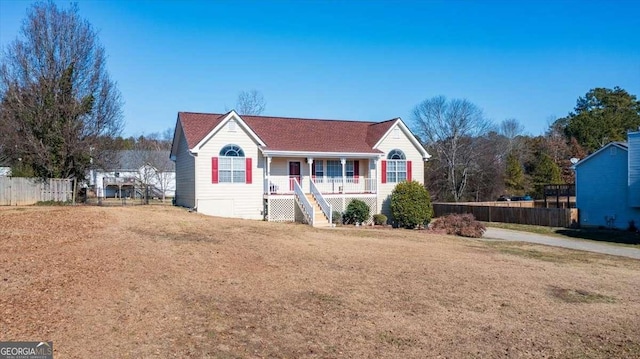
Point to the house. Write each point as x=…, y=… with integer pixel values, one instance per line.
x=608, y=185
x=286, y=169
x=131, y=171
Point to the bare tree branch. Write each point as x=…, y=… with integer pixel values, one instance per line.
x=56, y=96
x=250, y=103
x=451, y=130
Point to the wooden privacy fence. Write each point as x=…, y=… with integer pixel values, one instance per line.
x=19, y=191
x=550, y=217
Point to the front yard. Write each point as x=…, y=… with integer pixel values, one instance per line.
x=155, y=281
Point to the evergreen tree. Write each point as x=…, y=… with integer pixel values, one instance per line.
x=546, y=172
x=514, y=176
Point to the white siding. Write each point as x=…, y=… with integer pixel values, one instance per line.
x=412, y=154
x=238, y=200
x=602, y=190
x=185, y=175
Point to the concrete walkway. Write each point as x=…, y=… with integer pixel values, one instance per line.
x=579, y=244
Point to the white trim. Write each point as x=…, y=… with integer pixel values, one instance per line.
x=177, y=134
x=410, y=136
x=276, y=153
x=229, y=116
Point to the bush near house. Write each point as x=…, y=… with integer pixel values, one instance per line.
x=379, y=219
x=411, y=205
x=336, y=217
x=357, y=212
x=464, y=225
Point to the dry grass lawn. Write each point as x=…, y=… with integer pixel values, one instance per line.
x=160, y=282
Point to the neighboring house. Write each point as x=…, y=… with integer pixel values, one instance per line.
x=608, y=185
x=286, y=169
x=5, y=171
x=131, y=171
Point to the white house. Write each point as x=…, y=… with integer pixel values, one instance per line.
x=286, y=169
x=131, y=171
x=608, y=185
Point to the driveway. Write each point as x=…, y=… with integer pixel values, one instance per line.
x=579, y=244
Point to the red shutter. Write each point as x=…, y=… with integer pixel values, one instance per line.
x=409, y=178
x=313, y=170
x=248, y=170
x=356, y=171
x=384, y=172
x=214, y=169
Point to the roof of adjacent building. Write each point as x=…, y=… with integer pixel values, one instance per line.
x=622, y=145
x=133, y=160
x=294, y=134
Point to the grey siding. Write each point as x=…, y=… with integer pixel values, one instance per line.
x=185, y=175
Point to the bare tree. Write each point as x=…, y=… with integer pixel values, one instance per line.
x=512, y=130
x=250, y=103
x=155, y=169
x=57, y=99
x=451, y=130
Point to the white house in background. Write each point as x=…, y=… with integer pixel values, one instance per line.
x=133, y=169
x=608, y=185
x=286, y=169
x=5, y=171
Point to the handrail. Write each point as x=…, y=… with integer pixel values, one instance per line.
x=308, y=208
x=327, y=209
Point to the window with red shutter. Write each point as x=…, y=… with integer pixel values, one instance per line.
x=248, y=170
x=214, y=169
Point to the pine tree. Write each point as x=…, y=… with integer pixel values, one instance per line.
x=545, y=172
x=514, y=176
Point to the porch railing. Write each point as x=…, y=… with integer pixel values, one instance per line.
x=307, y=208
x=350, y=185
x=327, y=209
x=279, y=185
x=325, y=185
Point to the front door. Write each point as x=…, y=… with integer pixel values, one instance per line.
x=294, y=172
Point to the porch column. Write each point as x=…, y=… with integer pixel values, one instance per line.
x=343, y=161
x=373, y=175
x=310, y=162
x=268, y=188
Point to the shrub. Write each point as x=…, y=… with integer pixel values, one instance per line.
x=357, y=212
x=379, y=219
x=336, y=217
x=410, y=204
x=464, y=225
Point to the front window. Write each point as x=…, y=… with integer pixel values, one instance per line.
x=319, y=170
x=232, y=165
x=349, y=168
x=334, y=168
x=396, y=166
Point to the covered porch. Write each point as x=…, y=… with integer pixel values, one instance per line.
x=329, y=175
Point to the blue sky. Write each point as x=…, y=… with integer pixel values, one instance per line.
x=372, y=60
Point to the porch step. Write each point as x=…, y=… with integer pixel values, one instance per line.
x=320, y=219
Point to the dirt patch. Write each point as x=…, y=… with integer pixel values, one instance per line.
x=152, y=281
x=579, y=296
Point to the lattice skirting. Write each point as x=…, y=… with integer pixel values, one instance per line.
x=282, y=209
x=287, y=210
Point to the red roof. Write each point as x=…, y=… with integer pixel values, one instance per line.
x=294, y=134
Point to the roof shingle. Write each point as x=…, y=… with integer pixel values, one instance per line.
x=295, y=134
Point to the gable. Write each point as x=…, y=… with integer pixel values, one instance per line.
x=230, y=125
x=615, y=145
x=399, y=136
